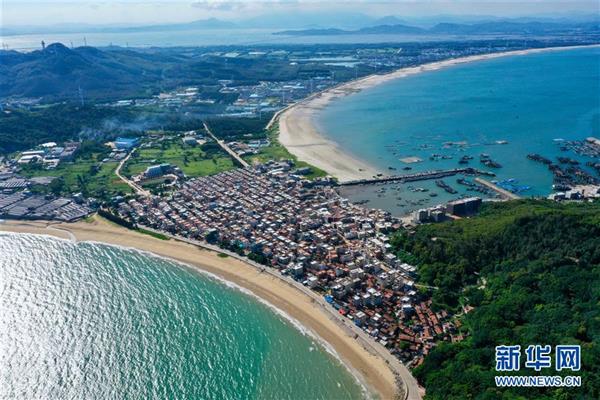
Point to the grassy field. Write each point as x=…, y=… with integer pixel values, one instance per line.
x=193, y=161
x=275, y=151
x=153, y=234
x=87, y=175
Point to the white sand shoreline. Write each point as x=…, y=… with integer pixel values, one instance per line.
x=371, y=371
x=300, y=135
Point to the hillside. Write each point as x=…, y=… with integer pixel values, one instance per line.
x=59, y=72
x=531, y=269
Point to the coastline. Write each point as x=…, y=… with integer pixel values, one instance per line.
x=300, y=135
x=373, y=372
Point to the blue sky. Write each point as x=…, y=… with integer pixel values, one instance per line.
x=48, y=12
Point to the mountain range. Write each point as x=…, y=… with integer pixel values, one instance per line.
x=348, y=21
x=484, y=28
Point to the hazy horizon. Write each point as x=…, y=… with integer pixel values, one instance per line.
x=48, y=13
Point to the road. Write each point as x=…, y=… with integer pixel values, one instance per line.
x=504, y=193
x=408, y=382
x=138, y=189
x=226, y=148
x=276, y=116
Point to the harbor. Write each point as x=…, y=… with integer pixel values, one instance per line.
x=418, y=176
x=408, y=138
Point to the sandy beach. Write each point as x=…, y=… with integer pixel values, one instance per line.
x=373, y=371
x=299, y=133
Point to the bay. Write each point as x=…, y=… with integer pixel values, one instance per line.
x=533, y=102
x=94, y=321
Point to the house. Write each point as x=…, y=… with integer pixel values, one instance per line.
x=155, y=171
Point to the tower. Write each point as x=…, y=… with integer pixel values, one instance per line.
x=80, y=91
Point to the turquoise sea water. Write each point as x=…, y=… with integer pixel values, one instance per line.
x=88, y=321
x=528, y=101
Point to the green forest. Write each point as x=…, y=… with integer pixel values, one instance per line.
x=531, y=270
x=21, y=129
x=231, y=129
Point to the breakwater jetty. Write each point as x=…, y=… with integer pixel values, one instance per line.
x=505, y=194
x=419, y=176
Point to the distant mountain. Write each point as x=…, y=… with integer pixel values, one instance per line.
x=314, y=32
x=373, y=30
x=387, y=20
x=390, y=29
x=304, y=20
x=211, y=23
x=514, y=28
x=59, y=72
x=484, y=28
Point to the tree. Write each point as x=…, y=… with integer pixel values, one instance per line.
x=531, y=269
x=56, y=186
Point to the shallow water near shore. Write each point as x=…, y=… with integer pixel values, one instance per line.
x=94, y=321
x=506, y=107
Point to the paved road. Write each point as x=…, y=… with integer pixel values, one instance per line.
x=225, y=147
x=138, y=189
x=406, y=380
x=276, y=116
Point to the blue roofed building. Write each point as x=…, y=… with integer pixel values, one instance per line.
x=126, y=143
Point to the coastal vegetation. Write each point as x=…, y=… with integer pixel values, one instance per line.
x=531, y=272
x=153, y=234
x=276, y=151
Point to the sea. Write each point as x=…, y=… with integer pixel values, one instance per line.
x=200, y=37
x=504, y=108
x=91, y=321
